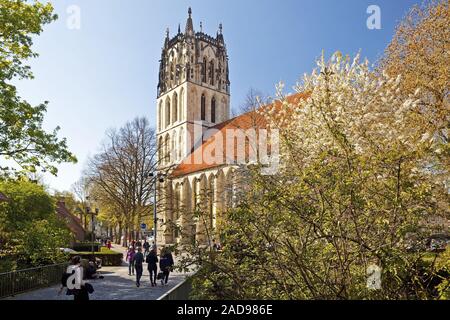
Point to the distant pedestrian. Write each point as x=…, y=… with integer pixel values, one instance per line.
x=146, y=247
x=153, y=246
x=138, y=260
x=108, y=244
x=152, y=260
x=130, y=258
x=138, y=244
x=166, y=265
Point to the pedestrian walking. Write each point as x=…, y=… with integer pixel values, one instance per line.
x=79, y=288
x=166, y=265
x=109, y=244
x=138, y=244
x=146, y=247
x=138, y=261
x=152, y=260
x=130, y=258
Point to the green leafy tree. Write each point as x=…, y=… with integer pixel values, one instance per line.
x=30, y=231
x=22, y=138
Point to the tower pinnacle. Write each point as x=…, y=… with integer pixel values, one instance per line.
x=189, y=25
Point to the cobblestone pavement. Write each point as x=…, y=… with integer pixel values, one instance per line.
x=117, y=285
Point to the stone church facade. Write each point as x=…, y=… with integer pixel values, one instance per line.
x=193, y=113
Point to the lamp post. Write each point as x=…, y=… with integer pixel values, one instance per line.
x=93, y=213
x=156, y=177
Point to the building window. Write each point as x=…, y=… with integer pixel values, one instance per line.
x=167, y=150
x=213, y=110
x=181, y=111
x=160, y=150
x=167, y=112
x=160, y=115
x=203, y=108
x=204, y=70
x=211, y=72
x=175, y=108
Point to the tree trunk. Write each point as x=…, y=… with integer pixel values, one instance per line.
x=119, y=234
x=125, y=238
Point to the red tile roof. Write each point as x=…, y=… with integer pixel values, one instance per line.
x=248, y=120
x=73, y=222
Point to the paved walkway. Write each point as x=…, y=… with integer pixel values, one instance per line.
x=117, y=285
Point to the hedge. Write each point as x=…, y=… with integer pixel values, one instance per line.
x=109, y=257
x=86, y=246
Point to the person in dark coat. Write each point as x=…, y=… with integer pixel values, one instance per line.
x=146, y=247
x=166, y=264
x=76, y=270
x=152, y=261
x=138, y=260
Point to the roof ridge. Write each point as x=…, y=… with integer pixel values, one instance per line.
x=178, y=169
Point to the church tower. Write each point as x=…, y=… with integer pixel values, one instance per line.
x=193, y=89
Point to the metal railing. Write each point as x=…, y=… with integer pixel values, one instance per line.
x=181, y=291
x=14, y=282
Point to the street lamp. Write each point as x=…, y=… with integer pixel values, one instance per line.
x=156, y=177
x=93, y=214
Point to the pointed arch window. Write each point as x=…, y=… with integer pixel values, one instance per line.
x=175, y=108
x=213, y=110
x=203, y=108
x=167, y=149
x=181, y=117
x=160, y=114
x=160, y=150
x=211, y=72
x=204, y=70
x=219, y=75
x=167, y=115
x=180, y=145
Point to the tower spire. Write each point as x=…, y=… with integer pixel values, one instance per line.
x=166, y=41
x=220, y=34
x=189, y=24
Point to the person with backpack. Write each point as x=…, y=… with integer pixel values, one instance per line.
x=152, y=260
x=130, y=259
x=165, y=264
x=138, y=261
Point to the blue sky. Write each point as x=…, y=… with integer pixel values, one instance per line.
x=105, y=73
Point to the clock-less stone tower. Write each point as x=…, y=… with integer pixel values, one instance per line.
x=193, y=87
x=193, y=92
